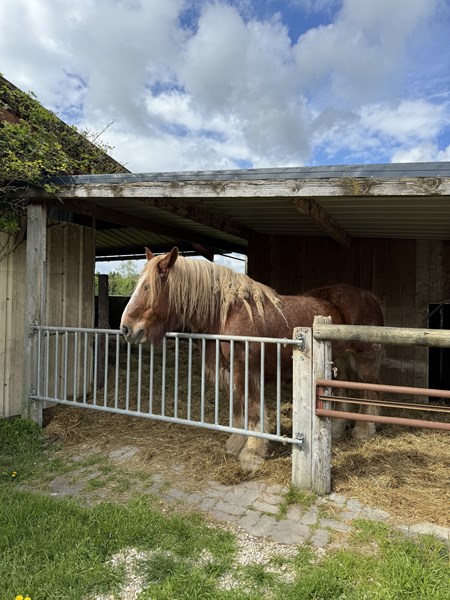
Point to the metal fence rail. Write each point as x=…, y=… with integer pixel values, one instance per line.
x=97, y=369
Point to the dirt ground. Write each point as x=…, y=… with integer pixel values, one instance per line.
x=403, y=471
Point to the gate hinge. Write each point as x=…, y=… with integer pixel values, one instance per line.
x=300, y=437
x=301, y=341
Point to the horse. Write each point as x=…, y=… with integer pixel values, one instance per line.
x=175, y=293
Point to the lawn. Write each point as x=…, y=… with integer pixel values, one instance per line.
x=66, y=549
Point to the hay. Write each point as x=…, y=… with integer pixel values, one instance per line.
x=403, y=471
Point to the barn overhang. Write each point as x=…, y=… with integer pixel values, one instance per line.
x=220, y=211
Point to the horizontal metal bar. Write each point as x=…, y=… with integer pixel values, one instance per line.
x=379, y=387
x=178, y=421
x=75, y=329
x=173, y=334
x=339, y=414
x=439, y=338
x=385, y=403
x=232, y=338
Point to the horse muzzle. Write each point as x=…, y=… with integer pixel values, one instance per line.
x=133, y=336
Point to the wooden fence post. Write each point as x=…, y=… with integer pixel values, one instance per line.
x=35, y=291
x=311, y=464
x=321, y=427
x=302, y=408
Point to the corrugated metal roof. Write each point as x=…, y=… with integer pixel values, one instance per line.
x=386, y=201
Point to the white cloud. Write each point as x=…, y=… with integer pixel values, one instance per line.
x=200, y=84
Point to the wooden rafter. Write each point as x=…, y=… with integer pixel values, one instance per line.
x=311, y=208
x=126, y=220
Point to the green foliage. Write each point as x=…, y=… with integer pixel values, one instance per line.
x=35, y=145
x=122, y=281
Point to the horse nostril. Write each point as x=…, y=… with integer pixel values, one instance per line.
x=125, y=330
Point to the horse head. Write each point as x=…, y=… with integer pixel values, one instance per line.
x=147, y=317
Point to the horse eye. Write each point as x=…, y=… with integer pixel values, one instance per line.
x=146, y=286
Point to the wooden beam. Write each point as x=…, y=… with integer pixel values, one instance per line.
x=90, y=209
x=311, y=208
x=347, y=187
x=184, y=209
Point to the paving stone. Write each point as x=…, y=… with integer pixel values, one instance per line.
x=194, y=498
x=264, y=526
x=309, y=518
x=223, y=516
x=337, y=498
x=277, y=489
x=320, y=538
x=230, y=509
x=215, y=493
x=270, y=498
x=333, y=524
x=207, y=504
x=177, y=494
x=242, y=495
x=374, y=514
x=286, y=532
x=249, y=520
x=265, y=507
x=426, y=529
x=354, y=504
x=349, y=515
x=294, y=514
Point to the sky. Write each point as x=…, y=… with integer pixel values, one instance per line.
x=198, y=84
x=176, y=85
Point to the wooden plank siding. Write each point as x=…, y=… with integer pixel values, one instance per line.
x=406, y=275
x=70, y=299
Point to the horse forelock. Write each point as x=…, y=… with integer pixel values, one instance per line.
x=207, y=291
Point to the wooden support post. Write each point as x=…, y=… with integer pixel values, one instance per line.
x=311, y=464
x=35, y=292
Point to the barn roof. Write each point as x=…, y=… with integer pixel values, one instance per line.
x=224, y=210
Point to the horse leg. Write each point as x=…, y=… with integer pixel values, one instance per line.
x=255, y=449
x=369, y=365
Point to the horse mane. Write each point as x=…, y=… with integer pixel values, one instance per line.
x=208, y=290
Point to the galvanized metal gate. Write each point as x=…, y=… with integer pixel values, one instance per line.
x=97, y=369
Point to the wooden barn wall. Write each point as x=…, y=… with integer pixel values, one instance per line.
x=70, y=299
x=407, y=276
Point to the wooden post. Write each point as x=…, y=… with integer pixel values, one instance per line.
x=35, y=291
x=311, y=464
x=302, y=408
x=321, y=427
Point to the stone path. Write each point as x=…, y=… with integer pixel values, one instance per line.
x=260, y=510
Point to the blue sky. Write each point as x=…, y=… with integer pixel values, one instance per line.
x=187, y=85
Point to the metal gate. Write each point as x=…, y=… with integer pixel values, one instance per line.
x=97, y=369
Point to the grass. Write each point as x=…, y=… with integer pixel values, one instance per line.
x=58, y=548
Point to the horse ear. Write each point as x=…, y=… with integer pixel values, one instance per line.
x=149, y=255
x=167, y=262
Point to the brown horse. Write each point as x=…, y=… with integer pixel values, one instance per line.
x=176, y=294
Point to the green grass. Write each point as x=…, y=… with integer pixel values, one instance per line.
x=295, y=496
x=59, y=549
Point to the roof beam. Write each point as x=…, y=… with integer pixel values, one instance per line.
x=311, y=208
x=200, y=215
x=125, y=220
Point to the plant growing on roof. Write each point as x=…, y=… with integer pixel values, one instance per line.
x=36, y=145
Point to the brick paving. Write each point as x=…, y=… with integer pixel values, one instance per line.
x=260, y=510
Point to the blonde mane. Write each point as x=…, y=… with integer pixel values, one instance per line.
x=208, y=291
